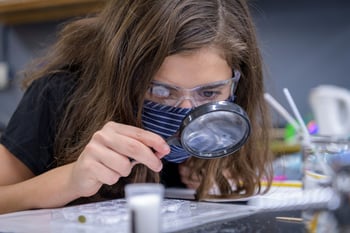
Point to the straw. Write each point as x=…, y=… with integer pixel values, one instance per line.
x=306, y=135
x=281, y=110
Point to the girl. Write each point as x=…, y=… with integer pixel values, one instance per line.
x=82, y=129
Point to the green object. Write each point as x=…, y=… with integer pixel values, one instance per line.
x=82, y=219
x=289, y=133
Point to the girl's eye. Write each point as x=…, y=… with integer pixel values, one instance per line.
x=209, y=93
x=160, y=91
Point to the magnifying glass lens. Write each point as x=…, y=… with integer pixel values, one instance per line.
x=215, y=134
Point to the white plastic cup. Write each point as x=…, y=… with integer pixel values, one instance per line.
x=144, y=202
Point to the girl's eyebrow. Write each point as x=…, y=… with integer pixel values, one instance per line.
x=213, y=85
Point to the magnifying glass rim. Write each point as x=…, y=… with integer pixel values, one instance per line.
x=214, y=107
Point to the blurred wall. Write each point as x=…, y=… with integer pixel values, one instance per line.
x=18, y=46
x=304, y=44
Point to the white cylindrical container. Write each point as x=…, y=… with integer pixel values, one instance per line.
x=144, y=206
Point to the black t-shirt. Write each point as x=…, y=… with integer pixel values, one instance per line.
x=30, y=132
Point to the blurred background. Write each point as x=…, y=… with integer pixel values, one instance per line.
x=304, y=44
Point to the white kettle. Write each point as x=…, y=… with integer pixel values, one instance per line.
x=331, y=107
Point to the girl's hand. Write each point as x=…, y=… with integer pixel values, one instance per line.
x=187, y=177
x=111, y=153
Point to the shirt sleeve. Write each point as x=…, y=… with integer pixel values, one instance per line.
x=30, y=132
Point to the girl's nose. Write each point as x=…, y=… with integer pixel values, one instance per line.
x=186, y=103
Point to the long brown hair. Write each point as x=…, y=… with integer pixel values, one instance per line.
x=117, y=52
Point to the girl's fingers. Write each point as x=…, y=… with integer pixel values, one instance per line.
x=121, y=140
x=114, y=161
x=152, y=140
x=106, y=175
x=112, y=152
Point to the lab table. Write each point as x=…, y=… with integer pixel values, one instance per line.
x=177, y=216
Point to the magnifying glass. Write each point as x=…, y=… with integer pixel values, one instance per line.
x=213, y=130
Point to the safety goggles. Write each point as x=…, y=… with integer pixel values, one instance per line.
x=173, y=95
